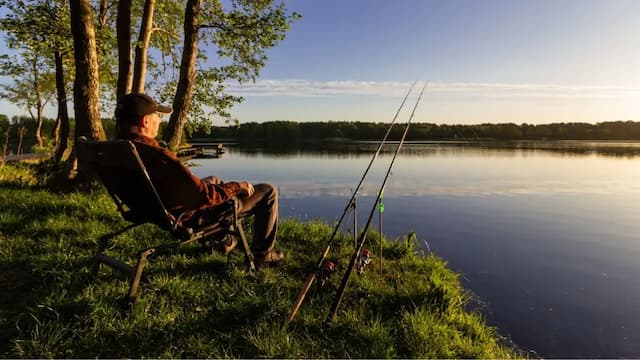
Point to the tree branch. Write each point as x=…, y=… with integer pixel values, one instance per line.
x=166, y=32
x=212, y=26
x=244, y=26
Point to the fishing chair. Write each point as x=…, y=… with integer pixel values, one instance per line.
x=168, y=198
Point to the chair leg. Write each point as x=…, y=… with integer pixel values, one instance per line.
x=95, y=268
x=245, y=244
x=103, y=242
x=248, y=254
x=113, y=263
x=135, y=280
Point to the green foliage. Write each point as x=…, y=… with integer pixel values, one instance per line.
x=239, y=32
x=35, y=29
x=191, y=305
x=18, y=175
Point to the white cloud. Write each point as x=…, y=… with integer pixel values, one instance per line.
x=290, y=190
x=310, y=88
x=298, y=87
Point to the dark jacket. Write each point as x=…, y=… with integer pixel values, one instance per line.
x=180, y=189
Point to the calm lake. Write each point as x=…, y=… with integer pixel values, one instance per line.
x=546, y=234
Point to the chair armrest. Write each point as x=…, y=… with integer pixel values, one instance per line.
x=219, y=216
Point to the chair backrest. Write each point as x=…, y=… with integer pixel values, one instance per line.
x=141, y=196
x=177, y=187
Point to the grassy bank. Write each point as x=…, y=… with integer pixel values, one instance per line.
x=192, y=305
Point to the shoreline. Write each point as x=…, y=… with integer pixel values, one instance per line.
x=190, y=306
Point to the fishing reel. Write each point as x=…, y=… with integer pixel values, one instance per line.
x=363, y=260
x=327, y=268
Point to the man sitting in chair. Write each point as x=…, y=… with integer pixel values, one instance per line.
x=138, y=118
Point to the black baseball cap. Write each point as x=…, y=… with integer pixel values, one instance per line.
x=134, y=106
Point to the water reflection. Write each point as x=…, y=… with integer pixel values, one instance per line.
x=546, y=233
x=432, y=169
x=341, y=150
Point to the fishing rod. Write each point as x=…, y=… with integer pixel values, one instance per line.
x=363, y=237
x=318, y=268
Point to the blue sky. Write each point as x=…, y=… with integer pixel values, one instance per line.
x=485, y=61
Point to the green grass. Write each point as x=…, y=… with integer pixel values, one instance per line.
x=191, y=305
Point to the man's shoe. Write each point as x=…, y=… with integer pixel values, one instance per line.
x=270, y=258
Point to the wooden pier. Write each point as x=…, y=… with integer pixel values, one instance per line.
x=201, y=151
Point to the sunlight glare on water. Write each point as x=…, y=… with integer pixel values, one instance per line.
x=444, y=171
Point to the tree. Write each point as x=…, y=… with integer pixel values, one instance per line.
x=184, y=90
x=142, y=46
x=61, y=46
x=86, y=85
x=22, y=131
x=32, y=87
x=106, y=49
x=123, y=37
x=34, y=82
x=4, y=136
x=241, y=35
x=61, y=131
x=41, y=30
x=240, y=32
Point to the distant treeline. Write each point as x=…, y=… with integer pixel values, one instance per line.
x=289, y=132
x=274, y=132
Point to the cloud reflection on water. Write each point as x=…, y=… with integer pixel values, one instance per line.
x=300, y=190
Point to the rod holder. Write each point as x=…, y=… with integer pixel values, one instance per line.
x=354, y=205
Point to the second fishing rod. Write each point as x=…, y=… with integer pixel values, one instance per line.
x=312, y=276
x=363, y=236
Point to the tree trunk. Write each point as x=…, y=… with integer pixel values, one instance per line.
x=123, y=25
x=184, y=90
x=38, y=104
x=22, y=131
x=104, y=11
x=86, y=85
x=62, y=120
x=40, y=109
x=4, y=147
x=142, y=46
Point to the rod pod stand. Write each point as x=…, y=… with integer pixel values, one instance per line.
x=363, y=236
x=354, y=206
x=380, y=211
x=312, y=275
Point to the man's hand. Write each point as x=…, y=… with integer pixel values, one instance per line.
x=246, y=189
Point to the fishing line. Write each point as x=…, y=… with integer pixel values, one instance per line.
x=363, y=236
x=312, y=275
